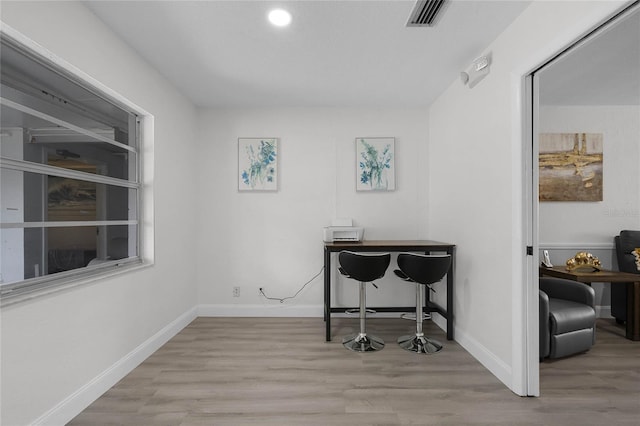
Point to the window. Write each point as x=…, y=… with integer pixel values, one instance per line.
x=69, y=186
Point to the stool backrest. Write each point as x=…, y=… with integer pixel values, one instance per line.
x=364, y=267
x=424, y=268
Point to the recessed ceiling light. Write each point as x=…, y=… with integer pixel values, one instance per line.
x=280, y=17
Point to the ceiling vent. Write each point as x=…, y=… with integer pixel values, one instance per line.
x=425, y=13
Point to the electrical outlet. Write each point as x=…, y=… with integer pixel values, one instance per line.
x=236, y=292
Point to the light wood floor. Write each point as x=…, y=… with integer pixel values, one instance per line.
x=280, y=371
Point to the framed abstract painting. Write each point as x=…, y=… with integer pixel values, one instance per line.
x=375, y=164
x=258, y=164
x=570, y=167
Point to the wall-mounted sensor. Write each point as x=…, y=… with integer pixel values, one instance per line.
x=478, y=70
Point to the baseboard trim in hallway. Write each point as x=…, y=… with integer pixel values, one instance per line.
x=280, y=371
x=263, y=311
x=75, y=403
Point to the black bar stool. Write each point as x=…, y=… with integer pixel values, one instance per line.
x=364, y=268
x=423, y=270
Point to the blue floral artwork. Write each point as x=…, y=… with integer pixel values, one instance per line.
x=375, y=164
x=258, y=164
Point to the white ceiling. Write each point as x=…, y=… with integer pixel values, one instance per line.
x=335, y=53
x=603, y=70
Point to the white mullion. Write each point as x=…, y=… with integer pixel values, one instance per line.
x=38, y=114
x=45, y=169
x=66, y=224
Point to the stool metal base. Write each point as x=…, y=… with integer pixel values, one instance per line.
x=419, y=344
x=362, y=342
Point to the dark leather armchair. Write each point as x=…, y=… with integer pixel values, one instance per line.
x=567, y=317
x=626, y=242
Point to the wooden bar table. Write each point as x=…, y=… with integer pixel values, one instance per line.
x=383, y=246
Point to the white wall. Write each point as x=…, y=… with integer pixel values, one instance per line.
x=476, y=171
x=62, y=350
x=569, y=227
x=597, y=222
x=465, y=187
x=274, y=240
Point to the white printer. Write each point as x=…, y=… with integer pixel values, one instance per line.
x=342, y=230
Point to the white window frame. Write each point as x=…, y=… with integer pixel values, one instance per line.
x=36, y=287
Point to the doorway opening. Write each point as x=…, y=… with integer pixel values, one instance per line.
x=584, y=182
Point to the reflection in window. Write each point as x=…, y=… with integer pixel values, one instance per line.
x=69, y=162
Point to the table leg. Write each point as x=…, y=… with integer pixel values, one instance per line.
x=449, y=305
x=427, y=295
x=327, y=294
x=633, y=311
x=450, y=297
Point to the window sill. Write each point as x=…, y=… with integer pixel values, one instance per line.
x=21, y=295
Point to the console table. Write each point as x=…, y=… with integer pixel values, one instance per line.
x=383, y=246
x=613, y=277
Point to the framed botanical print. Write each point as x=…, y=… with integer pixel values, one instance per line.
x=257, y=164
x=375, y=164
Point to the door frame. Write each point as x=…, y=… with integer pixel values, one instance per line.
x=526, y=367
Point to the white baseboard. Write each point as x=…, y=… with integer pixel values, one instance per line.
x=603, y=311
x=75, y=403
x=492, y=363
x=283, y=311
x=279, y=310
x=482, y=354
x=317, y=311
x=496, y=366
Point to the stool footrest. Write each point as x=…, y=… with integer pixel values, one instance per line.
x=356, y=311
x=412, y=316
